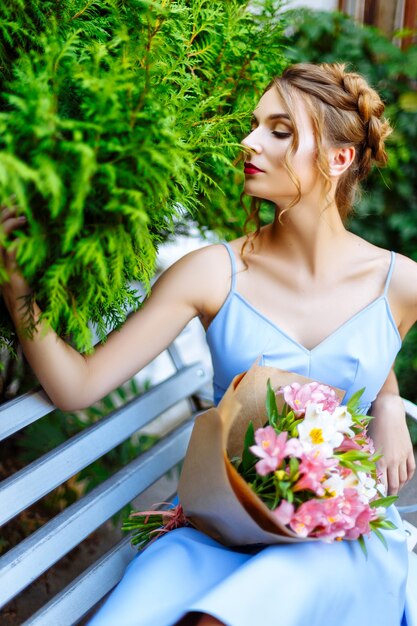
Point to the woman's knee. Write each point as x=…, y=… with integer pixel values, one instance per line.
x=199, y=619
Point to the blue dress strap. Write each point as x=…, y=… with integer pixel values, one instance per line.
x=233, y=264
x=389, y=275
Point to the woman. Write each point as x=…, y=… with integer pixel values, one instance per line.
x=312, y=298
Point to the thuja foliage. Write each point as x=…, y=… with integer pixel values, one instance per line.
x=386, y=213
x=117, y=117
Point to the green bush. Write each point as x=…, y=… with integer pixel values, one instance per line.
x=116, y=119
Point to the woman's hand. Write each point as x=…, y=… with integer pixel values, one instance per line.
x=17, y=286
x=390, y=434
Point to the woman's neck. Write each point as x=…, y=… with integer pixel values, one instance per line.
x=308, y=236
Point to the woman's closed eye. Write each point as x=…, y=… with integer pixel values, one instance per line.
x=281, y=134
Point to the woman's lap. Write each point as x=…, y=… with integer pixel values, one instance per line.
x=283, y=585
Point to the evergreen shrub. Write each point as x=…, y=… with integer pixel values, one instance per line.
x=117, y=118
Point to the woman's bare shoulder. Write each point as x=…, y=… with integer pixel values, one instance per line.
x=206, y=262
x=405, y=278
x=403, y=285
x=403, y=291
x=206, y=273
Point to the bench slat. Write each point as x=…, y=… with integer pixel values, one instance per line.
x=22, y=411
x=410, y=409
x=409, y=508
x=40, y=477
x=28, y=560
x=73, y=602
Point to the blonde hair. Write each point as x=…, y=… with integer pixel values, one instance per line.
x=345, y=111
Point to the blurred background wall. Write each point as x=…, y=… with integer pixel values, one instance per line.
x=388, y=15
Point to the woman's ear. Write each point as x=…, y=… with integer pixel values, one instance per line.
x=340, y=159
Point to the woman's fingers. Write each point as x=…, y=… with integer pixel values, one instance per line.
x=12, y=223
x=398, y=474
x=9, y=220
x=9, y=212
x=402, y=474
x=411, y=465
x=393, y=481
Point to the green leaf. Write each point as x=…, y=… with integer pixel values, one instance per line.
x=248, y=459
x=294, y=465
x=385, y=502
x=361, y=541
x=354, y=401
x=271, y=405
x=387, y=524
x=380, y=537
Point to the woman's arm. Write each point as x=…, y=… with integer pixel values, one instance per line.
x=389, y=429
x=390, y=434
x=74, y=381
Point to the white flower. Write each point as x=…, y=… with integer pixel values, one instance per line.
x=335, y=485
x=343, y=420
x=382, y=489
x=318, y=429
x=365, y=485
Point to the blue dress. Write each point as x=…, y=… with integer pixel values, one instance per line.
x=305, y=584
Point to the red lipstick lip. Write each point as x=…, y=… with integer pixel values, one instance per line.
x=252, y=169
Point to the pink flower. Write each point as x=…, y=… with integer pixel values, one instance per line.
x=284, y=512
x=362, y=526
x=313, y=468
x=321, y=516
x=294, y=447
x=349, y=443
x=270, y=448
x=352, y=506
x=359, y=442
x=368, y=445
x=298, y=397
x=344, y=516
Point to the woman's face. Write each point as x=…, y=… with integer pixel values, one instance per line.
x=265, y=173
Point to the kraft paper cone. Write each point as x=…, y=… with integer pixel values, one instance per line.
x=215, y=498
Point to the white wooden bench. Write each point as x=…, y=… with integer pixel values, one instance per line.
x=24, y=563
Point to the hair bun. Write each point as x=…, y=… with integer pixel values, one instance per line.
x=376, y=129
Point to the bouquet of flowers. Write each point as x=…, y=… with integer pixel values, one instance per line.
x=294, y=465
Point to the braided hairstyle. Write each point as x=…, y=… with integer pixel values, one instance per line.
x=345, y=111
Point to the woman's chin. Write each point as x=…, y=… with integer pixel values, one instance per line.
x=252, y=189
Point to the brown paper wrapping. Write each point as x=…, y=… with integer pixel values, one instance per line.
x=215, y=498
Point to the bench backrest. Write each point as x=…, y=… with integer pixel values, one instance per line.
x=24, y=563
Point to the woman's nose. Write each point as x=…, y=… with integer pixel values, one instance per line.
x=252, y=143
